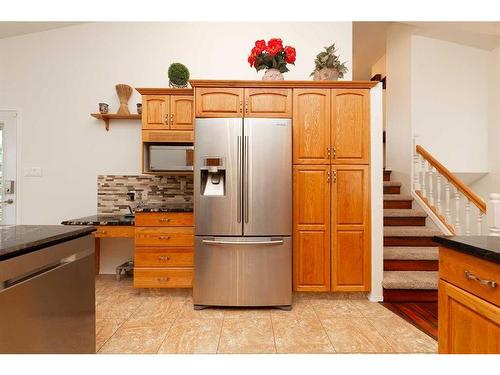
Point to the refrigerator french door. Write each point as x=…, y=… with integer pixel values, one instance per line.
x=243, y=212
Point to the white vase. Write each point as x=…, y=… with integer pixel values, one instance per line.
x=273, y=75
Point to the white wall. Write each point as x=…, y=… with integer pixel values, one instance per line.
x=449, y=96
x=491, y=183
x=54, y=79
x=398, y=105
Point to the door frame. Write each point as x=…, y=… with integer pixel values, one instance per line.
x=10, y=118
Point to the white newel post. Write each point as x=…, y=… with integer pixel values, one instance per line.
x=480, y=223
x=493, y=213
x=447, y=210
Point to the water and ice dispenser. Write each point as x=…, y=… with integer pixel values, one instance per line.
x=213, y=177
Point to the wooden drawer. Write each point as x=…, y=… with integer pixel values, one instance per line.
x=453, y=266
x=115, y=231
x=163, y=277
x=163, y=256
x=164, y=236
x=164, y=219
x=168, y=136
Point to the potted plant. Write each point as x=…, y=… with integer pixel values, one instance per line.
x=328, y=65
x=178, y=75
x=273, y=57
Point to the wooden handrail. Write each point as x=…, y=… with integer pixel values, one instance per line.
x=464, y=189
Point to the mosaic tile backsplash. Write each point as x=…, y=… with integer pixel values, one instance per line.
x=112, y=191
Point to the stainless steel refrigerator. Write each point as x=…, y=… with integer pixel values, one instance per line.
x=243, y=212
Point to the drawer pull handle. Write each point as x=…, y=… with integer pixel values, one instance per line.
x=163, y=258
x=163, y=279
x=164, y=220
x=491, y=283
x=164, y=237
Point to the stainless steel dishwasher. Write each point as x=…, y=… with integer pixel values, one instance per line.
x=47, y=300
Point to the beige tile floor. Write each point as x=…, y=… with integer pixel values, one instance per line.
x=163, y=321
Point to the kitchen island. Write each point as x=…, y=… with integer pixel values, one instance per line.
x=47, y=289
x=469, y=294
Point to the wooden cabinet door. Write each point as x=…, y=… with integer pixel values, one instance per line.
x=181, y=112
x=155, y=112
x=467, y=324
x=350, y=126
x=351, y=228
x=268, y=103
x=311, y=228
x=219, y=102
x=311, y=126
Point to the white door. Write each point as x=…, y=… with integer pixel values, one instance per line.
x=8, y=167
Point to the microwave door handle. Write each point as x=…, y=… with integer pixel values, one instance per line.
x=238, y=176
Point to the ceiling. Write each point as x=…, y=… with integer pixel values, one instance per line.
x=369, y=39
x=8, y=29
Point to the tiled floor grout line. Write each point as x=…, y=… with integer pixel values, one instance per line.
x=274, y=335
x=168, y=330
x=324, y=329
x=220, y=333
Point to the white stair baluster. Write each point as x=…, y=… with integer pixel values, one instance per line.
x=416, y=164
x=423, y=191
x=447, y=210
x=438, y=192
x=457, y=211
x=493, y=212
x=467, y=218
x=480, y=223
x=431, y=187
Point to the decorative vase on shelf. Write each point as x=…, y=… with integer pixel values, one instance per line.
x=273, y=57
x=326, y=74
x=124, y=92
x=272, y=74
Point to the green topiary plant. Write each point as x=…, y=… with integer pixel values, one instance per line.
x=329, y=64
x=178, y=75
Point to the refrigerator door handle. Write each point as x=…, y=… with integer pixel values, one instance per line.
x=215, y=242
x=246, y=175
x=238, y=173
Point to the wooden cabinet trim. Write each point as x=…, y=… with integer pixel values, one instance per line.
x=208, y=83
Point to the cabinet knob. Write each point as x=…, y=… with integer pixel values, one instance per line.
x=334, y=152
x=334, y=176
x=162, y=279
x=166, y=119
x=164, y=237
x=171, y=119
x=246, y=106
x=163, y=258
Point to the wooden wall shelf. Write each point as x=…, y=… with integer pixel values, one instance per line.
x=114, y=116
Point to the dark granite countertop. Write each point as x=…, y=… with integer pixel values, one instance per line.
x=17, y=240
x=104, y=219
x=485, y=247
x=167, y=207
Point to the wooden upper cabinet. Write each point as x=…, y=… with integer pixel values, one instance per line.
x=351, y=228
x=350, y=126
x=311, y=126
x=219, y=102
x=181, y=112
x=467, y=324
x=156, y=111
x=268, y=103
x=311, y=228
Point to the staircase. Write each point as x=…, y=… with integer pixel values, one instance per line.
x=410, y=255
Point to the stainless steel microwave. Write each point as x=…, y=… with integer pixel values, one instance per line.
x=166, y=158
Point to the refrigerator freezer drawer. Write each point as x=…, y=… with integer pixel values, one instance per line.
x=243, y=271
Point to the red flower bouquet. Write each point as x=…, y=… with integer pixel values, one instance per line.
x=271, y=55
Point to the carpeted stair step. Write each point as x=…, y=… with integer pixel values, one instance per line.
x=415, y=280
x=392, y=187
x=410, y=236
x=404, y=217
x=411, y=253
x=397, y=201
